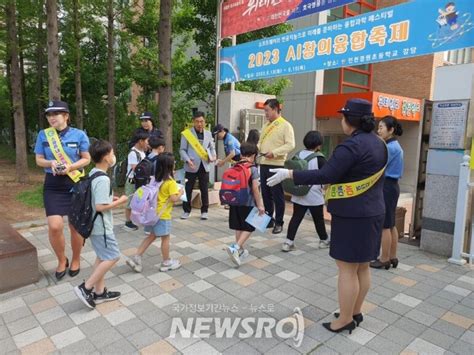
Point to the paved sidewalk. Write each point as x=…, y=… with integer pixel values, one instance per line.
x=424, y=306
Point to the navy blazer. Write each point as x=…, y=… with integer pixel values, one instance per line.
x=358, y=157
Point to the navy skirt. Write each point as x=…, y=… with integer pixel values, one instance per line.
x=57, y=194
x=391, y=193
x=356, y=240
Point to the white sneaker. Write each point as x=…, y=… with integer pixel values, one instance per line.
x=287, y=247
x=204, y=216
x=243, y=253
x=233, y=254
x=185, y=215
x=324, y=244
x=135, y=262
x=171, y=264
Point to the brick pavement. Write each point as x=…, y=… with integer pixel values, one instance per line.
x=424, y=306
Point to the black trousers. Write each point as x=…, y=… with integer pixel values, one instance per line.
x=273, y=197
x=299, y=211
x=203, y=176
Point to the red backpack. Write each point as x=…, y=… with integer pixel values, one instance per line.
x=235, y=188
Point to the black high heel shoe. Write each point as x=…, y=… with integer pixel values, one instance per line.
x=60, y=275
x=350, y=327
x=394, y=263
x=377, y=264
x=358, y=318
x=73, y=273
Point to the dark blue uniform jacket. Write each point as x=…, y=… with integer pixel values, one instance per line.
x=358, y=157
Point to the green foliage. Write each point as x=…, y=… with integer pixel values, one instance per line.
x=31, y=198
x=136, y=59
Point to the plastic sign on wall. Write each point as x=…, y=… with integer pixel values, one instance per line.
x=411, y=29
x=403, y=108
x=240, y=16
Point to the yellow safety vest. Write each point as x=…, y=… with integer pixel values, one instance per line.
x=59, y=153
x=271, y=128
x=194, y=142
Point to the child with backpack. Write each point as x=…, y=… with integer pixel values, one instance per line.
x=137, y=154
x=242, y=200
x=146, y=168
x=168, y=193
x=313, y=199
x=93, y=290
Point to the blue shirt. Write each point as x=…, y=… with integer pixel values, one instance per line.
x=73, y=140
x=232, y=144
x=394, y=168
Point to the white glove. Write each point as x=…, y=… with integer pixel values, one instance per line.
x=280, y=175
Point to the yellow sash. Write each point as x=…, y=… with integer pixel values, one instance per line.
x=353, y=189
x=271, y=128
x=194, y=142
x=59, y=153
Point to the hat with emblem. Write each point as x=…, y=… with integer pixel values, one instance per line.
x=357, y=107
x=57, y=106
x=146, y=116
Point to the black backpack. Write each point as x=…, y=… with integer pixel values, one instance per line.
x=120, y=173
x=144, y=170
x=81, y=215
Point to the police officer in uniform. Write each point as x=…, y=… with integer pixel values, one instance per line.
x=357, y=221
x=58, y=181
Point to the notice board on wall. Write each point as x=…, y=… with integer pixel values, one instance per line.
x=448, y=125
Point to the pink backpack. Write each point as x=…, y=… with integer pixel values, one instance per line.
x=144, y=203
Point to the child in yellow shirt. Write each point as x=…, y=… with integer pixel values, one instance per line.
x=168, y=194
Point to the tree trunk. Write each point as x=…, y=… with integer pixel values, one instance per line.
x=111, y=74
x=54, y=85
x=10, y=95
x=165, y=116
x=77, y=71
x=39, y=68
x=22, y=72
x=20, y=131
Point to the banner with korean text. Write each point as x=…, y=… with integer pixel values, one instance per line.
x=411, y=29
x=240, y=16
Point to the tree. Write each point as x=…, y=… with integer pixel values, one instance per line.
x=17, y=95
x=111, y=74
x=77, y=68
x=164, y=38
x=54, y=83
x=39, y=66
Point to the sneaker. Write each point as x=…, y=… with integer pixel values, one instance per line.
x=129, y=226
x=324, y=244
x=135, y=262
x=171, y=264
x=243, y=253
x=185, y=215
x=287, y=247
x=233, y=254
x=85, y=295
x=204, y=216
x=106, y=296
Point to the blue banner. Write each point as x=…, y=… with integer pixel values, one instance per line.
x=412, y=29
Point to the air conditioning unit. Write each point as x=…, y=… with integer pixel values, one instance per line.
x=250, y=119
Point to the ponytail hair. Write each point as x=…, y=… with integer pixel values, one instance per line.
x=392, y=123
x=366, y=123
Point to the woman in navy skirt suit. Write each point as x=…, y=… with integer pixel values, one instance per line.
x=57, y=184
x=357, y=221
